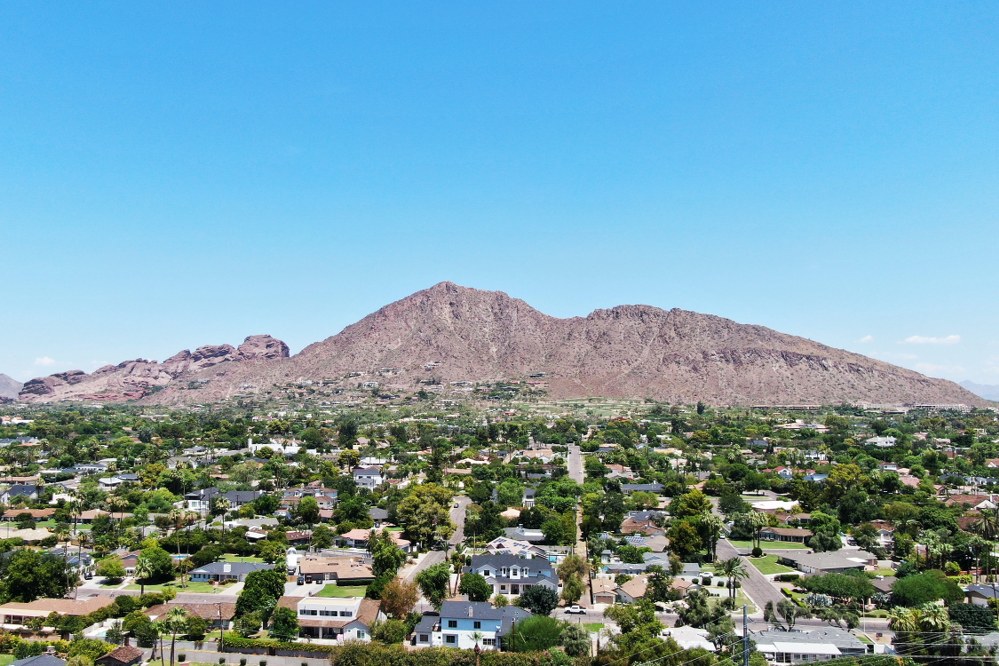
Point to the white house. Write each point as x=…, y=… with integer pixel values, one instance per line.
x=368, y=477
x=341, y=619
x=510, y=575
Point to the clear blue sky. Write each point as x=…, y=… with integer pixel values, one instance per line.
x=178, y=174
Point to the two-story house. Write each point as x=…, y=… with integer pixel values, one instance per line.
x=368, y=477
x=463, y=624
x=510, y=575
x=336, y=618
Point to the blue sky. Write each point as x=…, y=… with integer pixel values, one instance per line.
x=181, y=174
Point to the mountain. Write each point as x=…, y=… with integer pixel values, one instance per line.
x=131, y=380
x=987, y=391
x=9, y=387
x=450, y=333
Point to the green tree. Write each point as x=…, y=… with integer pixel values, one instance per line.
x=535, y=634
x=112, y=569
x=260, y=593
x=155, y=565
x=424, y=514
x=575, y=640
x=307, y=510
x=476, y=587
x=284, y=624
x=28, y=575
x=733, y=569
x=538, y=599
x=510, y=492
x=322, y=537
x=247, y=625
x=390, y=632
x=434, y=582
x=386, y=556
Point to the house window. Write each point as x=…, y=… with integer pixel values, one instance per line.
x=452, y=624
x=489, y=642
x=476, y=625
x=424, y=638
x=487, y=572
x=451, y=639
x=345, y=613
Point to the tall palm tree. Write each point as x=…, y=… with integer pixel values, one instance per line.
x=933, y=617
x=733, y=569
x=175, y=623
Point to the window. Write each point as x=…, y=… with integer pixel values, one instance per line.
x=476, y=625
x=487, y=572
x=452, y=624
x=345, y=613
x=489, y=641
x=424, y=638
x=451, y=639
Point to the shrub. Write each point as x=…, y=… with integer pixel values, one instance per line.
x=182, y=657
x=757, y=551
x=242, y=662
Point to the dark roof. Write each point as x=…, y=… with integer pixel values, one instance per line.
x=22, y=489
x=40, y=660
x=367, y=471
x=499, y=560
x=647, y=487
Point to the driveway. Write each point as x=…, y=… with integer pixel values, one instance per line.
x=458, y=518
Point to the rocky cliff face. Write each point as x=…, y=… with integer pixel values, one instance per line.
x=452, y=333
x=132, y=380
x=9, y=388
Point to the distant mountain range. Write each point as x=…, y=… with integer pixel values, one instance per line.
x=987, y=391
x=449, y=334
x=9, y=388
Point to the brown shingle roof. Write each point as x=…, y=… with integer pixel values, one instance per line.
x=125, y=654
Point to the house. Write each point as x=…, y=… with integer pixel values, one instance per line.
x=788, y=534
x=604, y=590
x=123, y=655
x=40, y=660
x=14, y=614
x=27, y=491
x=340, y=570
x=359, y=538
x=510, y=575
x=201, y=500
x=982, y=595
x=219, y=615
x=507, y=546
x=524, y=534
x=226, y=572
x=463, y=624
x=880, y=442
x=632, y=590
x=335, y=618
x=628, y=488
x=807, y=645
x=368, y=477
x=828, y=562
x=379, y=516
x=690, y=638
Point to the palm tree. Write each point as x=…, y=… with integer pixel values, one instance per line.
x=143, y=570
x=758, y=521
x=733, y=569
x=933, y=617
x=175, y=622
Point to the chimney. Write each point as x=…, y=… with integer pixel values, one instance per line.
x=471, y=610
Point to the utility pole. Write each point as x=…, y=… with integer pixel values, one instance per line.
x=745, y=636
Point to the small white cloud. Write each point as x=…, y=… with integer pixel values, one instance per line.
x=866, y=339
x=44, y=361
x=932, y=340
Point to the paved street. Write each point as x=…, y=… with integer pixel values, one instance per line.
x=458, y=518
x=756, y=585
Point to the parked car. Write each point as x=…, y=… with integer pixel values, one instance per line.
x=575, y=609
x=301, y=580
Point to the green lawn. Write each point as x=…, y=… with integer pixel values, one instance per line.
x=343, y=591
x=770, y=545
x=592, y=627
x=768, y=565
x=229, y=557
x=201, y=588
x=6, y=659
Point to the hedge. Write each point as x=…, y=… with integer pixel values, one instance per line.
x=356, y=653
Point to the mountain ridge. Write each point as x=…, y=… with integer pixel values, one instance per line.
x=449, y=333
x=9, y=387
